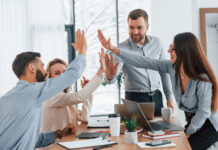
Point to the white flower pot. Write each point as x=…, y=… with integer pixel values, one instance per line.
x=130, y=137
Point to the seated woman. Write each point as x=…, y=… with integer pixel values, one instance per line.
x=194, y=85
x=60, y=110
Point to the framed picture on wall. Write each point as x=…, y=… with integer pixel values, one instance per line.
x=209, y=34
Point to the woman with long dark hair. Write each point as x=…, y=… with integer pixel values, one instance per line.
x=194, y=84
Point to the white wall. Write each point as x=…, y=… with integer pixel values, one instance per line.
x=169, y=17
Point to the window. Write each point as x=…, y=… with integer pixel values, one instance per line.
x=103, y=14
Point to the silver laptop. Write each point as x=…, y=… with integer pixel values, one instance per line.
x=134, y=109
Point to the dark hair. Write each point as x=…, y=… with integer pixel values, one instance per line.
x=53, y=62
x=22, y=60
x=136, y=13
x=190, y=53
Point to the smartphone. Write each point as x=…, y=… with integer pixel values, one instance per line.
x=158, y=143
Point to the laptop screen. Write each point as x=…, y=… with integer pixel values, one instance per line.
x=136, y=112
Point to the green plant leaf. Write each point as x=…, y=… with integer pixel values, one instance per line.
x=130, y=124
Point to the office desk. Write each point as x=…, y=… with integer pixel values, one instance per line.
x=181, y=141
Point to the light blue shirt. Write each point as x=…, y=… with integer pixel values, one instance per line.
x=196, y=99
x=141, y=79
x=20, y=108
x=45, y=139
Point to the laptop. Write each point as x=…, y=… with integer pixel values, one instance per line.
x=147, y=108
x=134, y=109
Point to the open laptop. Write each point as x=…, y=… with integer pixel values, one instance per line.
x=134, y=109
x=147, y=109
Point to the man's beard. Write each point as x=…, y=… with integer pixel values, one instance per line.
x=138, y=39
x=40, y=77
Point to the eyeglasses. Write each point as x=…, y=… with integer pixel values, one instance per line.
x=171, y=48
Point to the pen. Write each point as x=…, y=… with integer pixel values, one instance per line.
x=102, y=146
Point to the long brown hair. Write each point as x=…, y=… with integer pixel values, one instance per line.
x=195, y=63
x=53, y=62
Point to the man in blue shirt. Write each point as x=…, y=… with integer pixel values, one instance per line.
x=20, y=108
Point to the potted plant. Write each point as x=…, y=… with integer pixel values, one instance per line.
x=130, y=136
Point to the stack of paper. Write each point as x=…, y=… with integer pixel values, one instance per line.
x=86, y=143
x=167, y=134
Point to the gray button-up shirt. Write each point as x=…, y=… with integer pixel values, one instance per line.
x=141, y=79
x=20, y=108
x=197, y=97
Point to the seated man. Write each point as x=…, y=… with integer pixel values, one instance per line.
x=60, y=109
x=20, y=115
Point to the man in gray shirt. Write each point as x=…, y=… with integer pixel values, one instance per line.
x=20, y=108
x=142, y=85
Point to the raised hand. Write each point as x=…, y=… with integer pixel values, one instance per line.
x=102, y=60
x=81, y=44
x=102, y=68
x=84, y=82
x=107, y=43
x=111, y=69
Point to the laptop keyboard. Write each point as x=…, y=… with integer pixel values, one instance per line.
x=165, y=126
x=157, y=126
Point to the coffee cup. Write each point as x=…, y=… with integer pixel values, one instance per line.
x=166, y=114
x=114, y=121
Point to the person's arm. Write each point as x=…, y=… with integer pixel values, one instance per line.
x=49, y=88
x=163, y=66
x=54, y=85
x=136, y=60
x=64, y=99
x=166, y=81
x=83, y=114
x=204, y=95
x=111, y=77
x=45, y=139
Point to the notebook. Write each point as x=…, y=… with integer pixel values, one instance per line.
x=166, y=134
x=86, y=143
